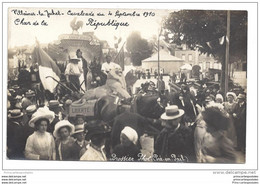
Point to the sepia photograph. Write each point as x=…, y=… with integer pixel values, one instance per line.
x=123, y=85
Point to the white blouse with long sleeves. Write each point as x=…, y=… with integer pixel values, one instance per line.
x=40, y=144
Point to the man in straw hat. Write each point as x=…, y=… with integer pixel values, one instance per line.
x=73, y=72
x=175, y=141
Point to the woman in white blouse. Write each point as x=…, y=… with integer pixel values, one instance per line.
x=40, y=145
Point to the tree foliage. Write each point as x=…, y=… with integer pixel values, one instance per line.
x=138, y=48
x=197, y=27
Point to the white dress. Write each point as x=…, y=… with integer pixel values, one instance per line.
x=94, y=155
x=40, y=144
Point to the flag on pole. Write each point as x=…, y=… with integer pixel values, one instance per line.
x=209, y=44
x=47, y=67
x=216, y=43
x=117, y=41
x=120, y=58
x=221, y=40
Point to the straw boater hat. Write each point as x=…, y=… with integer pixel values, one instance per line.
x=25, y=103
x=41, y=113
x=232, y=94
x=54, y=104
x=74, y=59
x=61, y=124
x=14, y=114
x=31, y=109
x=209, y=98
x=68, y=102
x=172, y=112
x=241, y=96
x=30, y=93
x=78, y=129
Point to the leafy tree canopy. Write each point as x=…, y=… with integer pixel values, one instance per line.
x=197, y=27
x=138, y=48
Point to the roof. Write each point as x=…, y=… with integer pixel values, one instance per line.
x=164, y=56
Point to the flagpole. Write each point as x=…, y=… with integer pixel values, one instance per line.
x=119, y=52
x=227, y=52
x=159, y=32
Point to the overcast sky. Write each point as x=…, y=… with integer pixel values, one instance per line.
x=20, y=35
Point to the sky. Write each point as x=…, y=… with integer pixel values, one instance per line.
x=147, y=24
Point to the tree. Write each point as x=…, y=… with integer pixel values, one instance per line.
x=203, y=29
x=138, y=48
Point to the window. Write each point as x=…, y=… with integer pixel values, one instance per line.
x=190, y=57
x=183, y=57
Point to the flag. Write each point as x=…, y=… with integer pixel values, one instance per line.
x=163, y=45
x=209, y=44
x=227, y=40
x=120, y=58
x=117, y=41
x=216, y=43
x=221, y=40
x=47, y=67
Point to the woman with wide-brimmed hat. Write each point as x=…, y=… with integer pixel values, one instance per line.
x=40, y=145
x=64, y=141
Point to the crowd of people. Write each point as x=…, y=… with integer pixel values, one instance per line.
x=202, y=127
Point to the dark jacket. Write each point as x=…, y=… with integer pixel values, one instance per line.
x=176, y=144
x=131, y=152
x=78, y=150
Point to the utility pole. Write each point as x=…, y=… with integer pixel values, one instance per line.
x=227, y=52
x=159, y=75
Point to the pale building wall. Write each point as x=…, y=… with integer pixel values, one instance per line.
x=168, y=66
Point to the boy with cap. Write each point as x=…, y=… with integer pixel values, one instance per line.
x=80, y=145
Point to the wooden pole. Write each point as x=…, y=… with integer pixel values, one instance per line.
x=227, y=52
x=159, y=33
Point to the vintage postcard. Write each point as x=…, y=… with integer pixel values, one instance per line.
x=126, y=86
